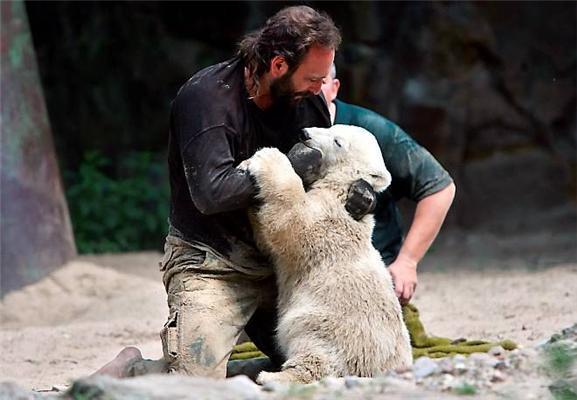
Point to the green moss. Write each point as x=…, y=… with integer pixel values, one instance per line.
x=437, y=347
x=423, y=345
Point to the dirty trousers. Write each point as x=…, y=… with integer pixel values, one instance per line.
x=210, y=303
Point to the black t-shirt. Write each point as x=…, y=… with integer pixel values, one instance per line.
x=213, y=127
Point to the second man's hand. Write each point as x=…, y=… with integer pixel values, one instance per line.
x=404, y=273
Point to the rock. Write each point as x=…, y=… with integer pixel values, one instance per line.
x=333, y=383
x=272, y=387
x=460, y=367
x=501, y=365
x=352, y=381
x=395, y=383
x=243, y=383
x=447, y=382
x=250, y=367
x=166, y=387
x=423, y=367
x=483, y=359
x=459, y=358
x=407, y=375
x=11, y=391
x=497, y=351
x=446, y=365
x=528, y=352
x=497, y=376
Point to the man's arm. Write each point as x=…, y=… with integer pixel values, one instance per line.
x=207, y=148
x=215, y=184
x=429, y=217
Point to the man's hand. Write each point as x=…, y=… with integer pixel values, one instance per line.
x=307, y=162
x=429, y=216
x=361, y=199
x=404, y=273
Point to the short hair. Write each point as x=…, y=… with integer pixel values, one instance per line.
x=290, y=33
x=333, y=72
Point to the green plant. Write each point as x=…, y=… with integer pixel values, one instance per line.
x=125, y=211
x=466, y=389
x=560, y=357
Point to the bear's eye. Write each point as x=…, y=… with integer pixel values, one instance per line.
x=338, y=143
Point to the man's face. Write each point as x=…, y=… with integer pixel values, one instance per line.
x=306, y=80
x=330, y=88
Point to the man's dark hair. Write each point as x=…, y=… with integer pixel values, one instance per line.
x=289, y=33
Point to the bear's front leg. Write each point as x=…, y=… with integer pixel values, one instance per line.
x=275, y=177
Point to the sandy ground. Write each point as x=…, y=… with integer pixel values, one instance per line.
x=72, y=322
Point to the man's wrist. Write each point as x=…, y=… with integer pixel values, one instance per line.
x=407, y=260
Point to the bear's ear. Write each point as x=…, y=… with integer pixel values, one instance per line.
x=379, y=180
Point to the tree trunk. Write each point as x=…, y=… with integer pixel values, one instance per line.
x=36, y=235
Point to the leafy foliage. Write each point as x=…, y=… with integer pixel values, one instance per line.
x=123, y=213
x=560, y=357
x=466, y=389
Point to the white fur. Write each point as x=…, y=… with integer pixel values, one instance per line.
x=338, y=313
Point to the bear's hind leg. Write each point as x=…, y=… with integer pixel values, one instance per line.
x=299, y=369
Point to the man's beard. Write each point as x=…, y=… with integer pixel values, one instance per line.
x=282, y=91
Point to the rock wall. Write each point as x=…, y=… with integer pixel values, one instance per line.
x=483, y=85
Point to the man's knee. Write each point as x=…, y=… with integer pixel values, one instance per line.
x=192, y=344
x=206, y=318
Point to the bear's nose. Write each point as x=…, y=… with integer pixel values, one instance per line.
x=304, y=135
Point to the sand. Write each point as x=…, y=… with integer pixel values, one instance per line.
x=72, y=322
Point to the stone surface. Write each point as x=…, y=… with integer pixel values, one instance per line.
x=169, y=387
x=524, y=373
x=423, y=367
x=11, y=391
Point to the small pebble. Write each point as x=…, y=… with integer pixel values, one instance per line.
x=272, y=387
x=446, y=365
x=498, y=376
x=351, y=382
x=332, y=383
x=496, y=351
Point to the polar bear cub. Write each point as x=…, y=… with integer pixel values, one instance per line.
x=338, y=313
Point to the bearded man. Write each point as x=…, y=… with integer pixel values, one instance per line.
x=217, y=281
